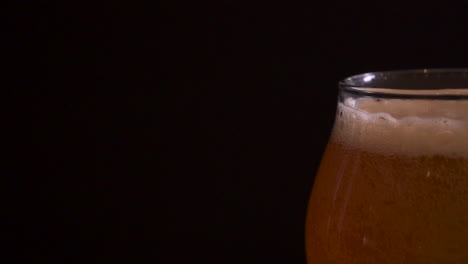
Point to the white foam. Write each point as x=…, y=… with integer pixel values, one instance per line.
x=410, y=127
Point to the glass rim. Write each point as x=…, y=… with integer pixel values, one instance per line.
x=361, y=84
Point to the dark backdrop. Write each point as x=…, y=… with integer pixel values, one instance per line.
x=255, y=91
x=190, y=132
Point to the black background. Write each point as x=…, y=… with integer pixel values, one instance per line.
x=190, y=132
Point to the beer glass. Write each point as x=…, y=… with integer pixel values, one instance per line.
x=392, y=186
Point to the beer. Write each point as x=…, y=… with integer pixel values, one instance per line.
x=393, y=184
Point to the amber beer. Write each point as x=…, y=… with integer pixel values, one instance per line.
x=393, y=184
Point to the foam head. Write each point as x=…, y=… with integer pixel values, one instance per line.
x=404, y=127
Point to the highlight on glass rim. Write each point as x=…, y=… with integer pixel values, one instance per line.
x=392, y=186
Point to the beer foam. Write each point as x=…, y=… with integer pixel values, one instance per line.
x=408, y=127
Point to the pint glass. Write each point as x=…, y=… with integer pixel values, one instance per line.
x=392, y=186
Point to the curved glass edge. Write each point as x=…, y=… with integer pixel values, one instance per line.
x=349, y=85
